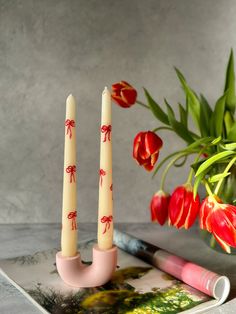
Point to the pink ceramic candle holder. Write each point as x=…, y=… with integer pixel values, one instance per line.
x=74, y=273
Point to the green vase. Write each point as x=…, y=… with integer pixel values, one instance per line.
x=228, y=196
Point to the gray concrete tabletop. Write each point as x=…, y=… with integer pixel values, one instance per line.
x=21, y=239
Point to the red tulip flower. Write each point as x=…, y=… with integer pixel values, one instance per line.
x=159, y=207
x=223, y=223
x=146, y=149
x=207, y=206
x=220, y=220
x=124, y=94
x=183, y=208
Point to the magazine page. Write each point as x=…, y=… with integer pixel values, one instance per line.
x=136, y=287
x=202, y=279
x=14, y=296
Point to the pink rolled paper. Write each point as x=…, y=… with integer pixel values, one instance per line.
x=190, y=273
x=198, y=277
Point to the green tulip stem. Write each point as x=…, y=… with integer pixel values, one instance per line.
x=190, y=176
x=207, y=187
x=167, y=168
x=142, y=104
x=227, y=168
x=162, y=128
x=212, y=242
x=191, y=173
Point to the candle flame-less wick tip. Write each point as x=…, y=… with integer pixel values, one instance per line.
x=70, y=98
x=106, y=90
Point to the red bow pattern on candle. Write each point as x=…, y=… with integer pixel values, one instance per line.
x=102, y=173
x=106, y=129
x=71, y=170
x=69, y=124
x=107, y=221
x=72, y=216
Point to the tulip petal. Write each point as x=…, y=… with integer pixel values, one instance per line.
x=186, y=208
x=159, y=207
x=136, y=144
x=148, y=166
x=183, y=208
x=117, y=87
x=154, y=158
x=205, y=210
x=124, y=94
x=139, y=153
x=210, y=204
x=115, y=93
x=120, y=101
x=125, y=84
x=222, y=243
x=142, y=162
x=222, y=225
x=177, y=223
x=129, y=95
x=176, y=205
x=192, y=212
x=142, y=154
x=153, y=142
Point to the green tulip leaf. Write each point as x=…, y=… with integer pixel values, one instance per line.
x=232, y=133
x=205, y=115
x=212, y=125
x=177, y=126
x=207, y=107
x=183, y=115
x=216, y=140
x=193, y=103
x=156, y=109
x=230, y=146
x=170, y=111
x=228, y=121
x=230, y=84
x=218, y=115
x=197, y=164
x=210, y=161
x=218, y=177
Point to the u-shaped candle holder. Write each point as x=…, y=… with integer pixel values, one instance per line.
x=74, y=273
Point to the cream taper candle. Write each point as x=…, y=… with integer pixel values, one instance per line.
x=105, y=206
x=69, y=203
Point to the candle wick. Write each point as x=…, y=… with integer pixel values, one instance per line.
x=106, y=90
x=70, y=98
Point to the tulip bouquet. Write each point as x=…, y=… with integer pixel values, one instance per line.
x=213, y=143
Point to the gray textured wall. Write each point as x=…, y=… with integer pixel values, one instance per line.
x=51, y=48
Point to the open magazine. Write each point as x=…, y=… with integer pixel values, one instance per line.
x=136, y=287
x=202, y=279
